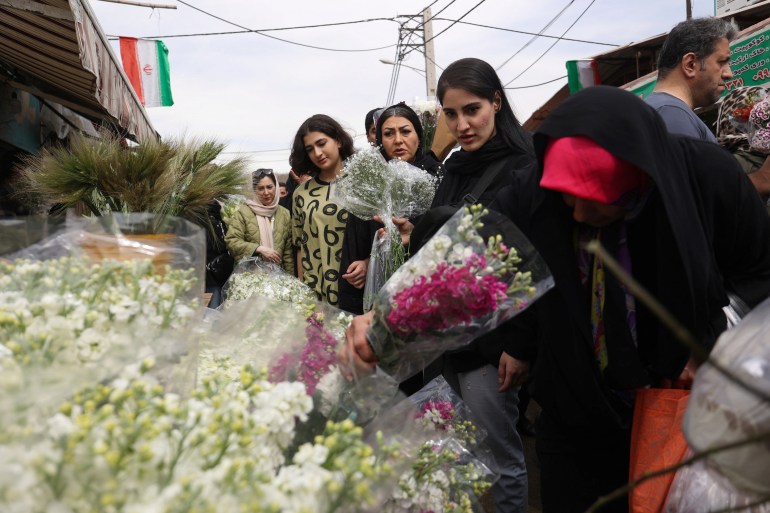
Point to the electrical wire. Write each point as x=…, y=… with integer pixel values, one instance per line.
x=455, y=22
x=277, y=29
x=413, y=16
x=450, y=26
x=530, y=33
x=281, y=39
x=534, y=37
x=537, y=85
x=549, y=48
x=422, y=24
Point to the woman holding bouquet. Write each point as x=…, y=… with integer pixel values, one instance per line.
x=399, y=135
x=319, y=148
x=494, y=149
x=262, y=228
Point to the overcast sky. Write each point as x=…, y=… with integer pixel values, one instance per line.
x=252, y=92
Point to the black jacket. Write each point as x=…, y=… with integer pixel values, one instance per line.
x=703, y=232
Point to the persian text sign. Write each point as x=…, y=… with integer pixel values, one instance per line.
x=751, y=60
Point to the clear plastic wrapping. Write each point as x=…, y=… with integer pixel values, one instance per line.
x=456, y=288
x=721, y=412
x=255, y=277
x=371, y=186
x=759, y=123
x=451, y=468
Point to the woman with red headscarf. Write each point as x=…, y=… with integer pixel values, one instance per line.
x=676, y=213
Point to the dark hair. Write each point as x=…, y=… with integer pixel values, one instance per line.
x=403, y=111
x=299, y=159
x=281, y=184
x=479, y=78
x=369, y=119
x=696, y=35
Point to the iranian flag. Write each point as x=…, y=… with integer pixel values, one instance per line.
x=581, y=74
x=145, y=61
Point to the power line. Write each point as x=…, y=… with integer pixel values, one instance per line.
x=554, y=44
x=534, y=37
x=457, y=20
x=277, y=29
x=530, y=33
x=261, y=33
x=422, y=24
x=537, y=85
x=454, y=22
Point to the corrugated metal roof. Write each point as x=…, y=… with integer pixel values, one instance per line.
x=55, y=49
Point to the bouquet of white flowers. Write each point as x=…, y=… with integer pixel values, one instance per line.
x=127, y=430
x=371, y=186
x=254, y=277
x=428, y=110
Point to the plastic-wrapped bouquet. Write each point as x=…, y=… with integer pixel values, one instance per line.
x=129, y=438
x=721, y=413
x=759, y=123
x=428, y=110
x=371, y=186
x=442, y=409
x=451, y=455
x=456, y=288
x=253, y=277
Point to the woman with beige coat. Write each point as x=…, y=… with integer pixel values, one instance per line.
x=262, y=228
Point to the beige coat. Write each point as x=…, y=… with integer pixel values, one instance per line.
x=242, y=236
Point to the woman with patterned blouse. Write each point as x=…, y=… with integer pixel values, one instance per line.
x=318, y=223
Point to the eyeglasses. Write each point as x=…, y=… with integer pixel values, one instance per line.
x=261, y=173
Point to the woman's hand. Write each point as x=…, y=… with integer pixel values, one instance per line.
x=356, y=273
x=268, y=254
x=403, y=224
x=511, y=372
x=356, y=356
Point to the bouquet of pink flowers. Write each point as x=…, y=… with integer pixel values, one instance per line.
x=455, y=289
x=759, y=126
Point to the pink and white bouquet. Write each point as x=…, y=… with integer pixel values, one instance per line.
x=455, y=289
x=440, y=408
x=452, y=454
x=759, y=125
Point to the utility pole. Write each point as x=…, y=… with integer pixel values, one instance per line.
x=689, y=8
x=430, y=57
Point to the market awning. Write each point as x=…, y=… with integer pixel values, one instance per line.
x=56, y=50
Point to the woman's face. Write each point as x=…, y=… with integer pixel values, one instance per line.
x=470, y=118
x=593, y=213
x=323, y=150
x=399, y=138
x=265, y=190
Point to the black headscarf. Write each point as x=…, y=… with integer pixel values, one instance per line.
x=463, y=170
x=704, y=232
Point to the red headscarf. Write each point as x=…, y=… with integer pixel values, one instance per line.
x=580, y=167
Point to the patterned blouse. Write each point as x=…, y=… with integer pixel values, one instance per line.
x=318, y=226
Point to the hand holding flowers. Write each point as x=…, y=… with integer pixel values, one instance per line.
x=453, y=290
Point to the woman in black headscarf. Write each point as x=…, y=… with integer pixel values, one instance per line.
x=681, y=217
x=399, y=135
x=493, y=149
